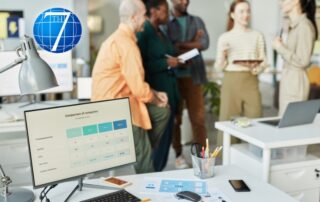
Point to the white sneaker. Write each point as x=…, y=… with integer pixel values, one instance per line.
x=181, y=162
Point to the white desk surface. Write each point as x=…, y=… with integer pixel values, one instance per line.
x=266, y=136
x=12, y=116
x=260, y=191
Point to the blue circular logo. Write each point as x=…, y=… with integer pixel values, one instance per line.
x=57, y=30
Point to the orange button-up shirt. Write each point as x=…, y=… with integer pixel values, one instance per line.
x=118, y=72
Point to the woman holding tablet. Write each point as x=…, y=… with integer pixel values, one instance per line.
x=241, y=55
x=296, y=51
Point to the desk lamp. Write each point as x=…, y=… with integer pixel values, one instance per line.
x=15, y=194
x=35, y=74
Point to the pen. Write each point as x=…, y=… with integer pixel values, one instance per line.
x=202, y=152
x=145, y=200
x=207, y=148
x=216, y=152
x=281, y=32
x=168, y=56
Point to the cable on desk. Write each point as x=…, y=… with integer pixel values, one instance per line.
x=45, y=191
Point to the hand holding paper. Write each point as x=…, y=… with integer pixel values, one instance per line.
x=189, y=55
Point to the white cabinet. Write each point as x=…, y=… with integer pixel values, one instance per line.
x=306, y=195
x=297, y=175
x=299, y=178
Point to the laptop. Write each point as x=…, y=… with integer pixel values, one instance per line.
x=297, y=113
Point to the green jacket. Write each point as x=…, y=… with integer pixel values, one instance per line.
x=153, y=49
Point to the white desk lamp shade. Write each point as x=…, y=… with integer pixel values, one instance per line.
x=35, y=74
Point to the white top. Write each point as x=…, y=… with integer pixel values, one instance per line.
x=266, y=136
x=243, y=45
x=260, y=191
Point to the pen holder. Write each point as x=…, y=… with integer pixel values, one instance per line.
x=203, y=167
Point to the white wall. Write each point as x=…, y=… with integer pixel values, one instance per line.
x=108, y=10
x=266, y=19
x=82, y=50
x=214, y=15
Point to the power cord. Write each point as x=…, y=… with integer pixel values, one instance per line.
x=45, y=191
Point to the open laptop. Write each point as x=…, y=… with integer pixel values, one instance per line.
x=297, y=113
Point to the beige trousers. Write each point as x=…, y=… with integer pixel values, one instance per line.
x=294, y=86
x=240, y=96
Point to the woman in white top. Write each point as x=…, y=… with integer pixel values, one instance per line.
x=296, y=50
x=241, y=55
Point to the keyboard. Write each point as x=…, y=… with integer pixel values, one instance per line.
x=118, y=196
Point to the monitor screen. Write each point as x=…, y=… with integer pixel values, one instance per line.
x=61, y=64
x=69, y=142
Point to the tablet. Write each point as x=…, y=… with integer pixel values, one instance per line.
x=247, y=61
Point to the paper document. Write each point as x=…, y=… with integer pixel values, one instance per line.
x=165, y=186
x=165, y=189
x=189, y=55
x=215, y=195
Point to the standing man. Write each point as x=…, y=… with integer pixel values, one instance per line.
x=118, y=72
x=187, y=32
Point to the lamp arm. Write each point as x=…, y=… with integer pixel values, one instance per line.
x=12, y=64
x=1, y=172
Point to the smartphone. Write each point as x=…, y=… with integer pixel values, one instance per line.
x=239, y=185
x=116, y=182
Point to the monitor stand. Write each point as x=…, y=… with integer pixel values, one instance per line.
x=81, y=184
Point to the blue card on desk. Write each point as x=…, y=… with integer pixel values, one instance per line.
x=174, y=186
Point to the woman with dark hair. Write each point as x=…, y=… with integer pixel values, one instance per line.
x=241, y=55
x=296, y=51
x=158, y=61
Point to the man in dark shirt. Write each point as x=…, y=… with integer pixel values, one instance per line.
x=187, y=32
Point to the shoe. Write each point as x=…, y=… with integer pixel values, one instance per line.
x=181, y=162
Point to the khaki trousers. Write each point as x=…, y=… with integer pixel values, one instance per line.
x=147, y=140
x=240, y=96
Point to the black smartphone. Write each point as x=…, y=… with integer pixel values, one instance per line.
x=239, y=185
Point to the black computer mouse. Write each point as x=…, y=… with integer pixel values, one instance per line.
x=188, y=195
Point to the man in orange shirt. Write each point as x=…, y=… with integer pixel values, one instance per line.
x=118, y=72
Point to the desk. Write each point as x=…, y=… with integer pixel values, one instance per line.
x=10, y=112
x=13, y=140
x=267, y=137
x=261, y=191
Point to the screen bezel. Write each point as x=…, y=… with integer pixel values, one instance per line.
x=77, y=176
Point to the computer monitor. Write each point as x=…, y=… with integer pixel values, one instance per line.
x=69, y=142
x=61, y=65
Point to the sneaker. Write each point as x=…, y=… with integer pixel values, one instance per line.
x=181, y=162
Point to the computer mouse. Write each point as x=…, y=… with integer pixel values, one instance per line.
x=188, y=195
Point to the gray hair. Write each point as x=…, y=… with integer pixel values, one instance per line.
x=127, y=9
